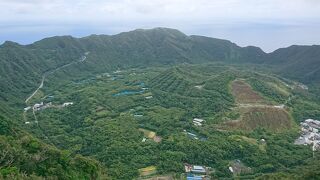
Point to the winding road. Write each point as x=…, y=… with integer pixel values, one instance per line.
x=82, y=59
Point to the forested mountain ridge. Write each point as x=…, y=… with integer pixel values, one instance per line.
x=298, y=62
x=129, y=102
x=160, y=46
x=23, y=66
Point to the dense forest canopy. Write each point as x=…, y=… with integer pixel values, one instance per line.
x=145, y=103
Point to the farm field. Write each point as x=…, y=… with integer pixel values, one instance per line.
x=112, y=121
x=257, y=112
x=244, y=93
x=156, y=104
x=270, y=118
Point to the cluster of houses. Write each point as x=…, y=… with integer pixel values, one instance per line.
x=195, y=172
x=310, y=134
x=42, y=106
x=198, y=122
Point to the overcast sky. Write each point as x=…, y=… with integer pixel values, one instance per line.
x=269, y=24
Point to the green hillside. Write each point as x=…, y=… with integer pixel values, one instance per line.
x=25, y=157
x=141, y=48
x=124, y=104
x=298, y=62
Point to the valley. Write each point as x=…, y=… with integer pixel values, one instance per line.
x=157, y=103
x=113, y=121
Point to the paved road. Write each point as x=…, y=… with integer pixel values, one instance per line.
x=261, y=105
x=35, y=92
x=82, y=59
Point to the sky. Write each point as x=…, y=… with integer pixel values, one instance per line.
x=269, y=24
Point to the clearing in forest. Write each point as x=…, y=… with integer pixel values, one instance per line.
x=151, y=135
x=147, y=171
x=244, y=93
x=255, y=111
x=147, y=133
x=270, y=118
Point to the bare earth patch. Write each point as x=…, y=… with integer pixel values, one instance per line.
x=244, y=93
x=270, y=118
x=255, y=111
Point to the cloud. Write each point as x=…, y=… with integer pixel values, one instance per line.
x=98, y=10
x=78, y=17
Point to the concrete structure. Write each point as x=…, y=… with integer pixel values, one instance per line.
x=195, y=169
x=37, y=106
x=198, y=122
x=195, y=172
x=67, y=104
x=231, y=169
x=26, y=108
x=195, y=177
x=137, y=115
x=198, y=169
x=309, y=134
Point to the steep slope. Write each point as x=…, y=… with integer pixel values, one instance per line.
x=166, y=46
x=25, y=157
x=22, y=66
x=298, y=62
x=211, y=49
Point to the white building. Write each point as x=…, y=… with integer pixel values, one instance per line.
x=37, y=106
x=198, y=122
x=231, y=169
x=67, y=104
x=26, y=108
x=198, y=169
x=149, y=97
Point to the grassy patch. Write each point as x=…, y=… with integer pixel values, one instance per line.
x=147, y=171
x=244, y=93
x=147, y=133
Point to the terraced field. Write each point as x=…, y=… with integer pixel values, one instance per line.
x=147, y=138
x=256, y=112
x=270, y=118
x=174, y=88
x=244, y=93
